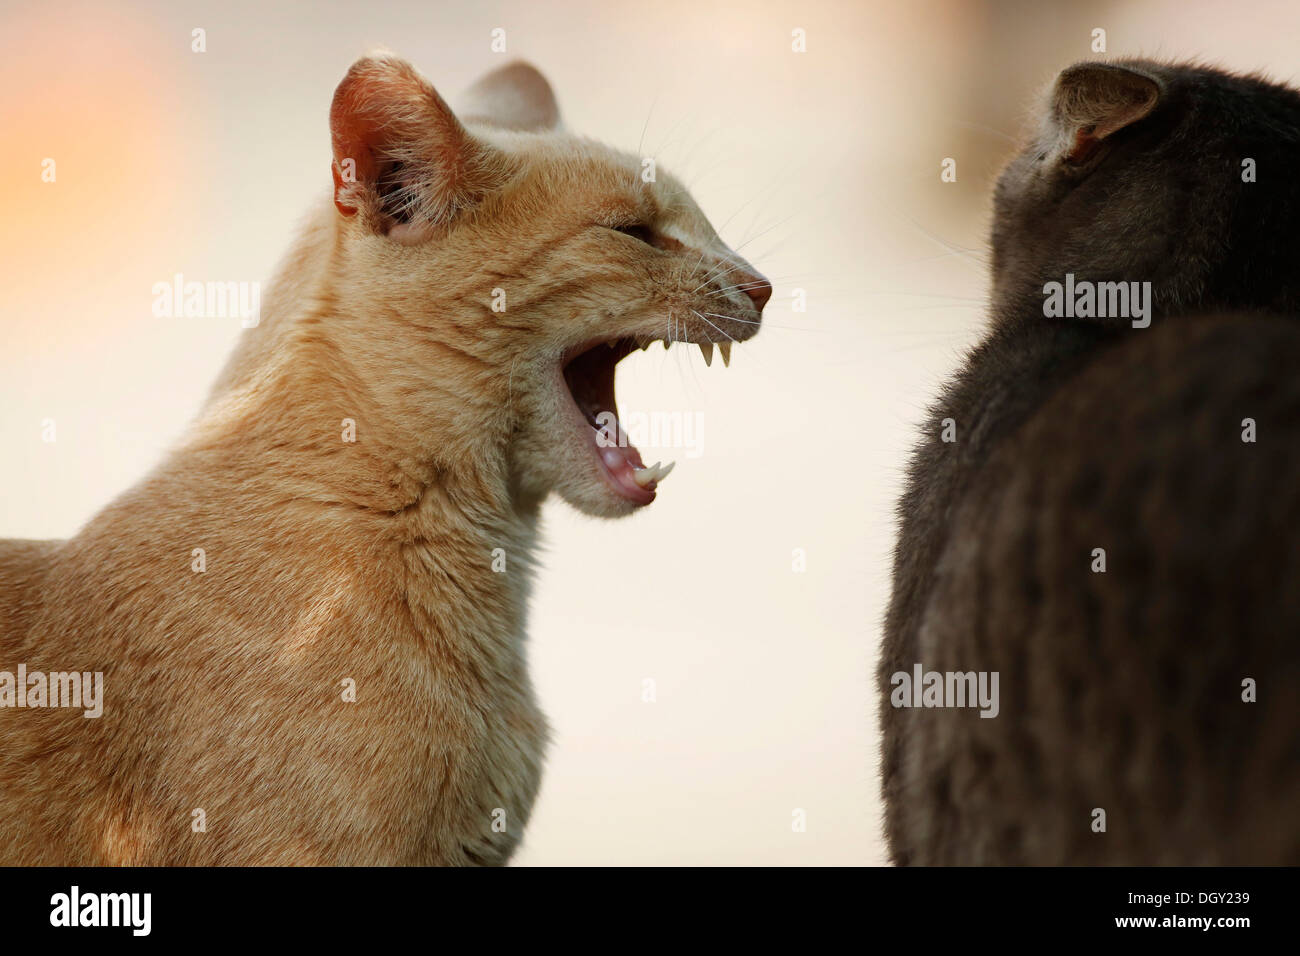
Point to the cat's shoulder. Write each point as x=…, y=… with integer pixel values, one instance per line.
x=1170, y=420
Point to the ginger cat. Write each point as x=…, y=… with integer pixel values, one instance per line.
x=328, y=564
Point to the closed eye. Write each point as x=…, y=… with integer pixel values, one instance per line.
x=637, y=231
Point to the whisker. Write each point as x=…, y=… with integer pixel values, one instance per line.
x=667, y=141
x=775, y=182
x=927, y=295
x=714, y=273
x=971, y=256
x=745, y=286
x=641, y=142
x=988, y=129
x=781, y=222
x=714, y=326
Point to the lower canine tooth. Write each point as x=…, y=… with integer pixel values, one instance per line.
x=655, y=473
x=645, y=476
x=725, y=349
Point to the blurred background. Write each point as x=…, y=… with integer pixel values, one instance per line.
x=751, y=593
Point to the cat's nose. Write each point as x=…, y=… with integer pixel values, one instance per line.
x=759, y=291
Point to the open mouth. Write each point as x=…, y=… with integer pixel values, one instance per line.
x=590, y=378
x=589, y=375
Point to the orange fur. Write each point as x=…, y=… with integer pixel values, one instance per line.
x=370, y=560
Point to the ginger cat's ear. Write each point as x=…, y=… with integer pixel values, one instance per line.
x=515, y=97
x=402, y=160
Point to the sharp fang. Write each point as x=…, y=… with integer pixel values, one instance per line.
x=644, y=477
x=706, y=349
x=725, y=349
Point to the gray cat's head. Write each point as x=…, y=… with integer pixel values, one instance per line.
x=1181, y=176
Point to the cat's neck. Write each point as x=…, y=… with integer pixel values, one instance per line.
x=312, y=414
x=312, y=425
x=305, y=412
x=1021, y=361
x=444, y=538
x=313, y=385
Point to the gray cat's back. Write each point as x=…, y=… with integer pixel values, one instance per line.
x=1122, y=690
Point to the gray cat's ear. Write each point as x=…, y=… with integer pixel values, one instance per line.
x=515, y=96
x=402, y=160
x=1092, y=101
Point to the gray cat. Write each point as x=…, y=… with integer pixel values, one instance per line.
x=1092, y=652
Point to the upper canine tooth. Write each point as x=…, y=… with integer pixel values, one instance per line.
x=706, y=349
x=725, y=349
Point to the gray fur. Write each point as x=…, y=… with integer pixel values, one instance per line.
x=1122, y=690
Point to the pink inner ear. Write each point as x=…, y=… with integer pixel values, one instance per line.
x=342, y=190
x=371, y=112
x=411, y=156
x=352, y=139
x=1085, y=144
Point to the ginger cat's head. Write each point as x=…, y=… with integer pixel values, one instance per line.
x=496, y=268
